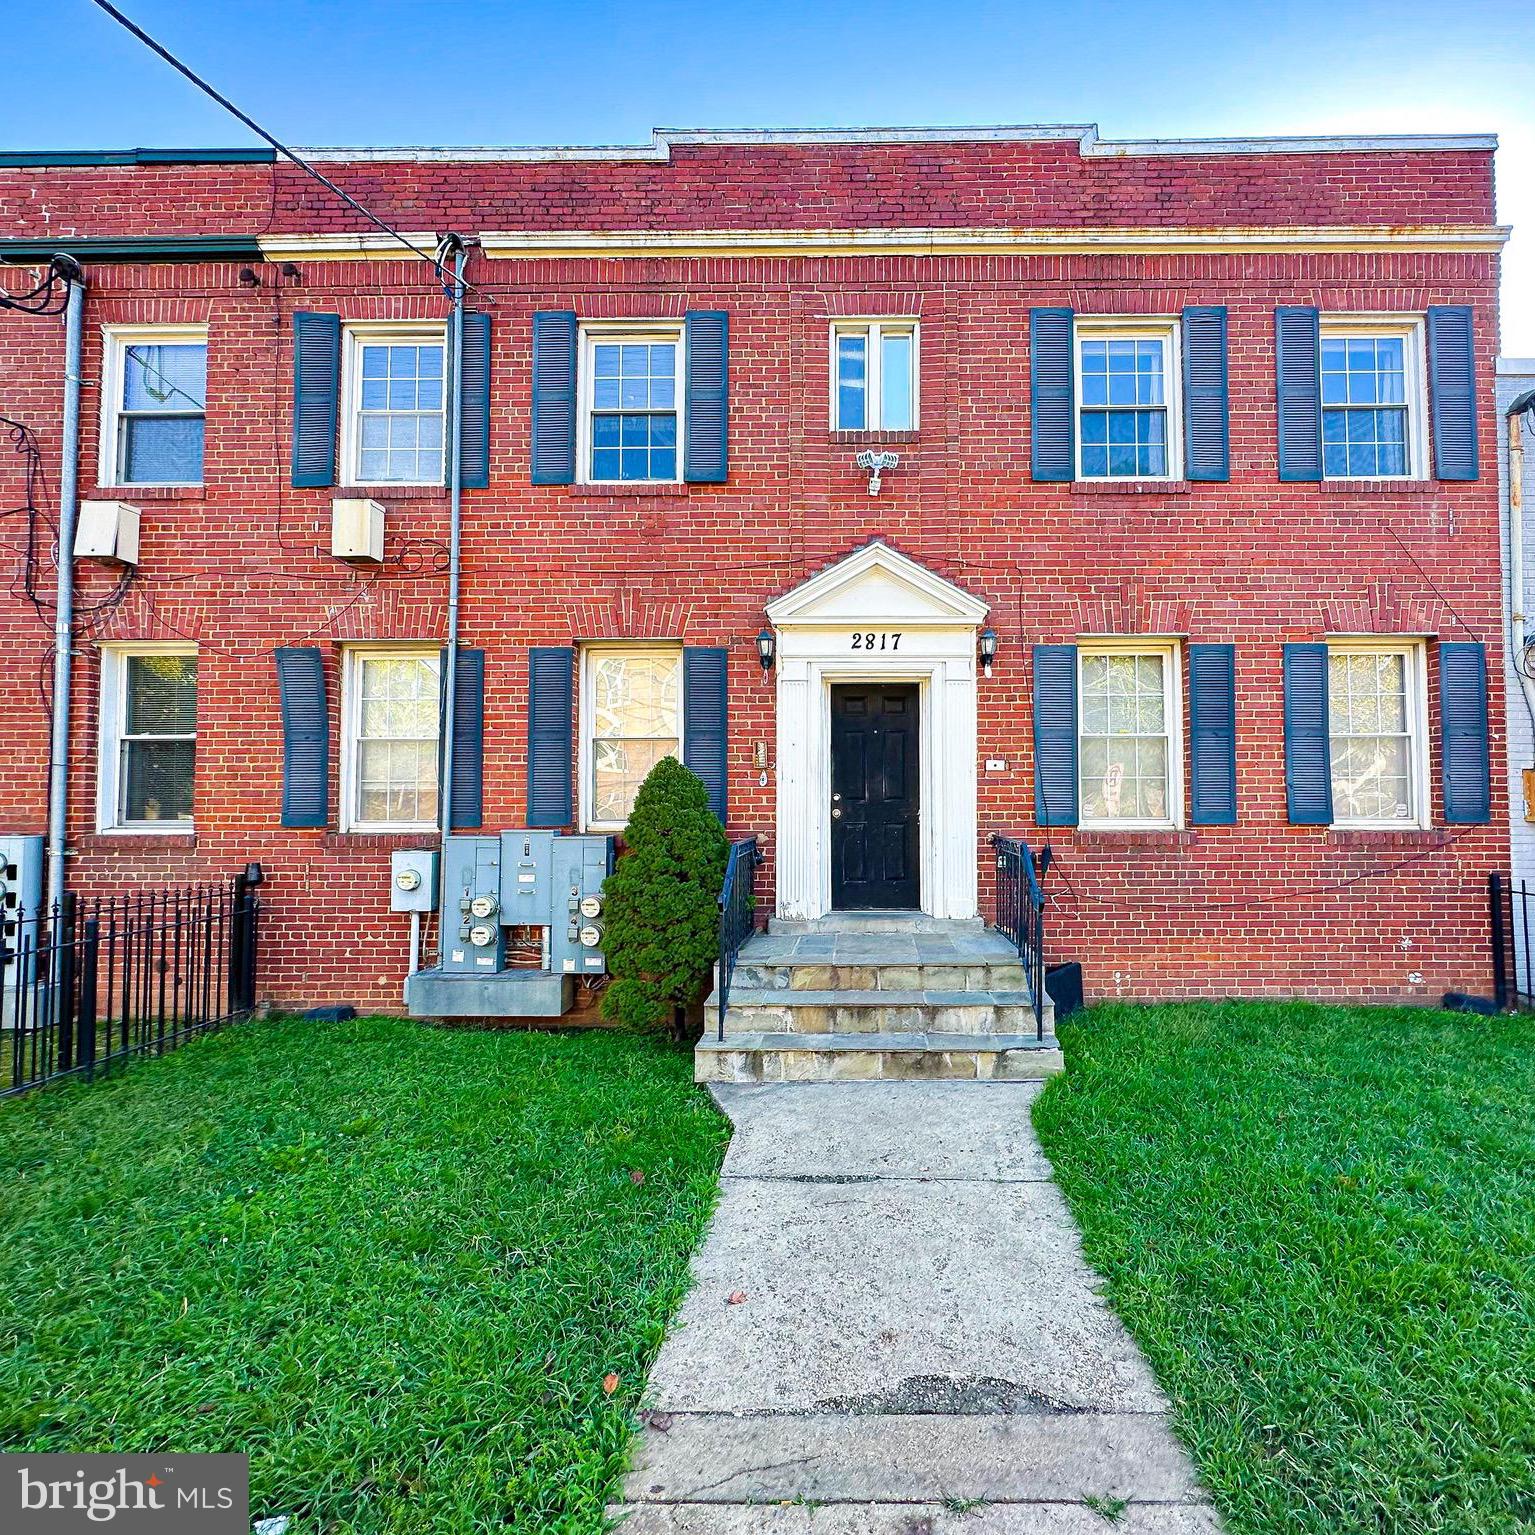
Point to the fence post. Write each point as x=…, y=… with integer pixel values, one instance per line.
x=1499, y=957
x=87, y=1013
x=242, y=946
x=63, y=968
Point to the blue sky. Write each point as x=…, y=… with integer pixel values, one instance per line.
x=481, y=72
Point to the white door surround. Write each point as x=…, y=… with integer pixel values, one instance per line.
x=877, y=616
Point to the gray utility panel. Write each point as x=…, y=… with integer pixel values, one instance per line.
x=519, y=879
x=21, y=900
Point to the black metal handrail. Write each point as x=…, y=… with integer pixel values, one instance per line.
x=1020, y=914
x=97, y=980
x=738, y=914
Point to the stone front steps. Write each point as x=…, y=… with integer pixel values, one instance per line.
x=877, y=996
x=923, y=1057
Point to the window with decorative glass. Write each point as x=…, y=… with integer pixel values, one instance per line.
x=1375, y=712
x=874, y=375
x=1127, y=402
x=396, y=415
x=154, y=406
x=1128, y=751
x=148, y=739
x=634, y=715
x=1370, y=393
x=389, y=770
x=633, y=415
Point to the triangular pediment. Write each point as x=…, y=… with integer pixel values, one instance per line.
x=877, y=586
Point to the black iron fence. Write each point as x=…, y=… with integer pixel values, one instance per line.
x=738, y=914
x=98, y=980
x=1511, y=907
x=1019, y=914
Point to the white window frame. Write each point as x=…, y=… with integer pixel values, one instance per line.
x=111, y=713
x=872, y=328
x=1171, y=652
x=356, y=334
x=588, y=716
x=652, y=333
x=353, y=658
x=1164, y=328
x=1416, y=679
x=115, y=341
x=1415, y=358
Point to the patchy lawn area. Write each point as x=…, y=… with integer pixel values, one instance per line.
x=393, y=1263
x=1320, y=1225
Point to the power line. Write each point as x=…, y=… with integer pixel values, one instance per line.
x=256, y=128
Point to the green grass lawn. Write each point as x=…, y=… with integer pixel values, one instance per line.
x=393, y=1263
x=1320, y=1225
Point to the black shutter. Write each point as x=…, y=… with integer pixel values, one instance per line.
x=1298, y=388
x=1307, y=749
x=1463, y=725
x=467, y=738
x=705, y=716
x=551, y=725
x=1055, y=735
x=305, y=736
x=554, y=397
x=1052, y=395
x=1213, y=732
x=316, y=397
x=474, y=406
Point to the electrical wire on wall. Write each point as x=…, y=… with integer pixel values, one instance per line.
x=49, y=295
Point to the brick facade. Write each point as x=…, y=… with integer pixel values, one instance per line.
x=242, y=564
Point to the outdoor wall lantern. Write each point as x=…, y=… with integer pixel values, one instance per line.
x=767, y=646
x=988, y=649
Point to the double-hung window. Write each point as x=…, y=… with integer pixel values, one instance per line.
x=1127, y=399
x=392, y=427
x=632, y=383
x=154, y=394
x=148, y=738
x=874, y=375
x=389, y=746
x=632, y=706
x=1372, y=399
x=1129, y=749
x=1378, y=728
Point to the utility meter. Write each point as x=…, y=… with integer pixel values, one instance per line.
x=591, y=906
x=591, y=936
x=483, y=906
x=482, y=937
x=413, y=880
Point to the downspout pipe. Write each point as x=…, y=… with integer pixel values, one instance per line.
x=64, y=613
x=455, y=554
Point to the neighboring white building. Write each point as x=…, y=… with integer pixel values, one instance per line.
x=1516, y=377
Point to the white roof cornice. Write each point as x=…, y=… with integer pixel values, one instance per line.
x=1085, y=135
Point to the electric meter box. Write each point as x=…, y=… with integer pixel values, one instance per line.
x=581, y=864
x=21, y=901
x=527, y=863
x=472, y=939
x=413, y=880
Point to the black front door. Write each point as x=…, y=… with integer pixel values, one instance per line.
x=875, y=754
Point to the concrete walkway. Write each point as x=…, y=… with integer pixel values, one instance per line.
x=892, y=1331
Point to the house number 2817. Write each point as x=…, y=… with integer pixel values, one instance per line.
x=868, y=641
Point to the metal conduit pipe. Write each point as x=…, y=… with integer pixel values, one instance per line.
x=1518, y=638
x=455, y=550
x=64, y=615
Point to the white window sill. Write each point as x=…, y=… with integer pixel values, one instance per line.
x=1135, y=826
x=390, y=828
x=149, y=829
x=1397, y=826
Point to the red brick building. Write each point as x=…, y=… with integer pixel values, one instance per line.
x=1202, y=433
